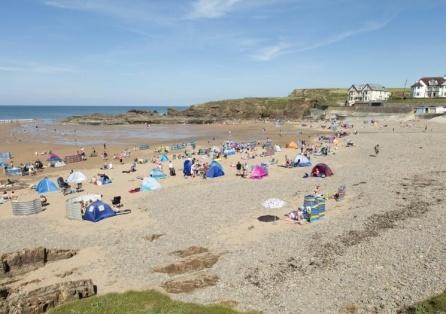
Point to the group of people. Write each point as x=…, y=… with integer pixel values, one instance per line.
x=29, y=168
x=7, y=196
x=242, y=169
x=198, y=169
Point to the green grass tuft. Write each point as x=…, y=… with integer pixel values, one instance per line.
x=147, y=302
x=435, y=305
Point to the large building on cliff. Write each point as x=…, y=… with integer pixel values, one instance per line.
x=429, y=87
x=366, y=93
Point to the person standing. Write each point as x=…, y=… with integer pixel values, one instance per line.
x=239, y=168
x=376, y=149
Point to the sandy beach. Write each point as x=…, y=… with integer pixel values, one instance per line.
x=377, y=250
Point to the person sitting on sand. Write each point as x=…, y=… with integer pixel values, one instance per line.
x=296, y=216
x=43, y=200
x=13, y=196
x=317, y=190
x=205, y=170
x=133, y=166
x=287, y=162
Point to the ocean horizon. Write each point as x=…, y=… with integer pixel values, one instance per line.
x=56, y=113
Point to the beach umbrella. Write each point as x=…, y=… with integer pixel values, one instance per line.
x=273, y=203
x=76, y=177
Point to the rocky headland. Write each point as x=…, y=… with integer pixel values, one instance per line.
x=290, y=108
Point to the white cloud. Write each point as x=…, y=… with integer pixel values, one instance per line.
x=270, y=52
x=212, y=8
x=33, y=67
x=370, y=27
x=7, y=68
x=140, y=10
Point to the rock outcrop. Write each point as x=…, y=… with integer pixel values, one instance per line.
x=189, y=264
x=26, y=260
x=42, y=299
x=290, y=108
x=189, y=283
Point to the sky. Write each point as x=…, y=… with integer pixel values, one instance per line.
x=182, y=52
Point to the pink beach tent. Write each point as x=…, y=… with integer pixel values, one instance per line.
x=258, y=172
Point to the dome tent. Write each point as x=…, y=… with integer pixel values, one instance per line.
x=215, y=170
x=46, y=186
x=164, y=158
x=258, y=172
x=54, y=158
x=292, y=145
x=157, y=174
x=98, y=211
x=301, y=161
x=229, y=151
x=149, y=184
x=104, y=179
x=55, y=161
x=321, y=170
x=76, y=177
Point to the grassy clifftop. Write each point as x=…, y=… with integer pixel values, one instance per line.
x=249, y=108
x=326, y=96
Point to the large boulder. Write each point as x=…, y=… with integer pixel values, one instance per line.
x=26, y=260
x=42, y=299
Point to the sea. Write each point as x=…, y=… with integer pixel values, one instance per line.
x=57, y=113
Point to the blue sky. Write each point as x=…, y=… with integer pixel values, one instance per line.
x=171, y=52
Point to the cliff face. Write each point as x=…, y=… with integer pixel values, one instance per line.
x=252, y=108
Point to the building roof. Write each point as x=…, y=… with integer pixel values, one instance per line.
x=376, y=87
x=439, y=79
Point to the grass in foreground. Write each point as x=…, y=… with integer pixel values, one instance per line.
x=436, y=304
x=148, y=302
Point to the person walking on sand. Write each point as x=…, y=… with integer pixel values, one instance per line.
x=376, y=149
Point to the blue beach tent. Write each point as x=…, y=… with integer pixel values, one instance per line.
x=104, y=179
x=149, y=184
x=187, y=167
x=215, y=170
x=229, y=151
x=98, y=211
x=164, y=158
x=157, y=174
x=46, y=186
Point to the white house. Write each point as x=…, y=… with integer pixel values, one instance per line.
x=367, y=93
x=429, y=87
